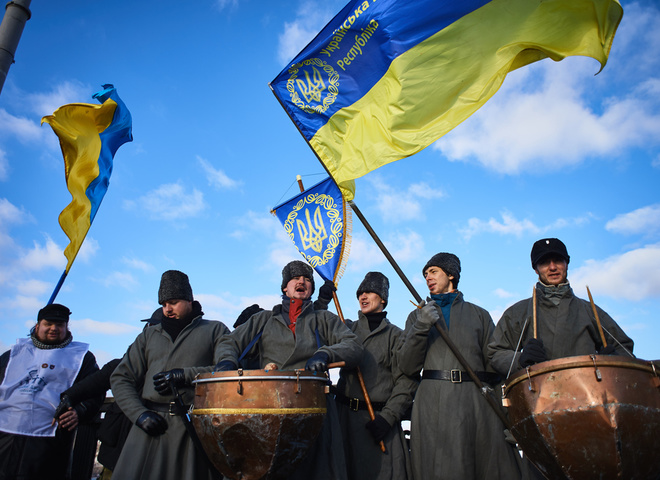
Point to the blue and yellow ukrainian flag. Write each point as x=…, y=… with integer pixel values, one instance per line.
x=89, y=137
x=386, y=78
x=319, y=224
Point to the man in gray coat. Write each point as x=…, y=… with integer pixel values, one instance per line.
x=566, y=325
x=455, y=433
x=293, y=336
x=164, y=358
x=391, y=393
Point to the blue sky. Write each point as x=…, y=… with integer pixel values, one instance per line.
x=558, y=151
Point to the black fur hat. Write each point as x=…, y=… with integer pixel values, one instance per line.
x=174, y=285
x=449, y=263
x=295, y=269
x=375, y=282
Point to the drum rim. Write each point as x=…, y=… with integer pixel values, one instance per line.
x=585, y=361
x=254, y=378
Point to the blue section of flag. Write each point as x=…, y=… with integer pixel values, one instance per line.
x=315, y=222
x=402, y=25
x=113, y=137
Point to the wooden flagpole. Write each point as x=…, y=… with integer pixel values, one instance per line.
x=445, y=335
x=367, y=399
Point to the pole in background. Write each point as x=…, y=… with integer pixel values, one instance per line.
x=17, y=13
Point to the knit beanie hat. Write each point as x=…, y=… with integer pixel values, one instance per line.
x=54, y=313
x=448, y=262
x=375, y=282
x=174, y=285
x=295, y=269
x=548, y=246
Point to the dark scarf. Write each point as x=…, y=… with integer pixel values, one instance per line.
x=45, y=346
x=174, y=326
x=444, y=301
x=375, y=319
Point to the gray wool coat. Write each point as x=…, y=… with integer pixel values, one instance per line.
x=325, y=460
x=455, y=433
x=171, y=455
x=384, y=383
x=566, y=329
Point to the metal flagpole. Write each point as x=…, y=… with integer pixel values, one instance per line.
x=17, y=13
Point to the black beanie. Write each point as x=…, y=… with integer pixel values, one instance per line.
x=174, y=285
x=295, y=269
x=54, y=313
x=449, y=263
x=375, y=282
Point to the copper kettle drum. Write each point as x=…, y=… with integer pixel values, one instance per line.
x=588, y=417
x=257, y=424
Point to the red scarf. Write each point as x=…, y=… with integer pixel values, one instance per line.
x=295, y=307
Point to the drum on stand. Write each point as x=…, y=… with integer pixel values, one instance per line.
x=588, y=417
x=257, y=424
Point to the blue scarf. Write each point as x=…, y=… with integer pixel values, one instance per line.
x=444, y=300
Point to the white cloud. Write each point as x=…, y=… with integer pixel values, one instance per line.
x=545, y=117
x=510, y=225
x=138, y=264
x=395, y=205
x=229, y=4
x=118, y=279
x=216, y=177
x=94, y=327
x=11, y=214
x=33, y=288
x=310, y=19
x=4, y=166
x=170, y=202
x=43, y=104
x=501, y=293
x=48, y=255
x=634, y=275
x=645, y=220
x=21, y=128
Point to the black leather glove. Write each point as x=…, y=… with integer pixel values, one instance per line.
x=65, y=405
x=325, y=295
x=152, y=423
x=163, y=381
x=533, y=352
x=318, y=362
x=609, y=350
x=225, y=366
x=246, y=314
x=378, y=427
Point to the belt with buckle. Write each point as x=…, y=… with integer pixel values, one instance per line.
x=170, y=408
x=356, y=404
x=457, y=376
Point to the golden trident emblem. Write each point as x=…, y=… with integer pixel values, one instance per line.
x=314, y=86
x=312, y=236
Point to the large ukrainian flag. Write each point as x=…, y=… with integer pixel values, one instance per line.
x=89, y=137
x=386, y=78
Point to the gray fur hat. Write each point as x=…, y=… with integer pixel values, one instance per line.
x=375, y=282
x=295, y=269
x=449, y=263
x=174, y=285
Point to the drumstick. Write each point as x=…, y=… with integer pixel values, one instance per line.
x=600, y=328
x=336, y=365
x=534, y=310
